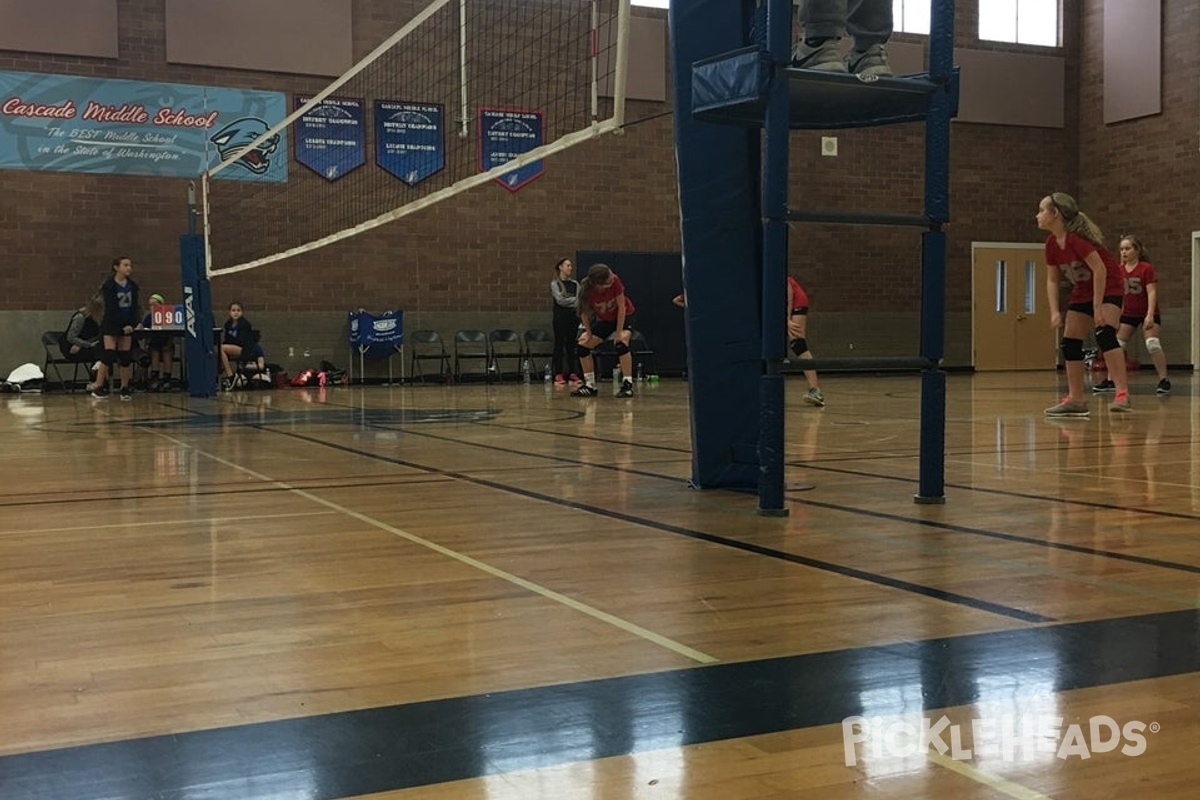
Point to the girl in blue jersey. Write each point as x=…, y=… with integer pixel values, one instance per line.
x=121, y=312
x=237, y=338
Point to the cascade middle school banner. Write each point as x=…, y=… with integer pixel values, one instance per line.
x=67, y=123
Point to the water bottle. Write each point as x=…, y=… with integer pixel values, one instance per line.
x=546, y=377
x=525, y=371
x=640, y=377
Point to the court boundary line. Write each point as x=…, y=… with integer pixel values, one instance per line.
x=603, y=616
x=1014, y=790
x=824, y=566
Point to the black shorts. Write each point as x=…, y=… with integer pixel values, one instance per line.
x=800, y=311
x=1137, y=321
x=604, y=328
x=115, y=329
x=1090, y=310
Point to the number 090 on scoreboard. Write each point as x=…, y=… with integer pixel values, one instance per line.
x=166, y=316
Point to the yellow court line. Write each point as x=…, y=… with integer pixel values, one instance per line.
x=1014, y=790
x=549, y=594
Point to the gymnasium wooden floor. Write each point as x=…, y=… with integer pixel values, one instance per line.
x=506, y=593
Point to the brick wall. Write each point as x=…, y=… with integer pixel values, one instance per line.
x=491, y=252
x=1139, y=176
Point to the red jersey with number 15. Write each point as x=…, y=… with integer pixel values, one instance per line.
x=1071, y=261
x=604, y=301
x=1137, y=304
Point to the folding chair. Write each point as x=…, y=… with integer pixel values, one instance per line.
x=539, y=348
x=53, y=343
x=606, y=356
x=643, y=356
x=246, y=374
x=375, y=337
x=428, y=346
x=505, y=344
x=469, y=346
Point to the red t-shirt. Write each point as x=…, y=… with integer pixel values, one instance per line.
x=603, y=302
x=1070, y=260
x=799, y=296
x=1136, y=281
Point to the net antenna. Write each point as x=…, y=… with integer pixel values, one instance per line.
x=466, y=92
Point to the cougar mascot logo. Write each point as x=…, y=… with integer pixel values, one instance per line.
x=240, y=133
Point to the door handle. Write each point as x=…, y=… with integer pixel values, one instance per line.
x=1020, y=317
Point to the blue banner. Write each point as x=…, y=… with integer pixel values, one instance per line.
x=331, y=137
x=62, y=123
x=505, y=134
x=410, y=140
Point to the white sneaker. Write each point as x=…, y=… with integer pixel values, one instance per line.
x=869, y=63
x=825, y=56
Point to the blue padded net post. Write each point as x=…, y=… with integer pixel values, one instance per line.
x=721, y=233
x=199, y=344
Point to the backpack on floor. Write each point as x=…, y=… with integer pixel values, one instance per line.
x=25, y=378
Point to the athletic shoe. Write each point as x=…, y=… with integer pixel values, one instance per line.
x=1121, y=402
x=626, y=389
x=823, y=56
x=869, y=63
x=573, y=379
x=100, y=392
x=814, y=397
x=1067, y=408
x=1105, y=385
x=227, y=383
x=126, y=393
x=1164, y=387
x=559, y=380
x=585, y=391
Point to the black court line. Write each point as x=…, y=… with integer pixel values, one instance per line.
x=1067, y=501
x=353, y=753
x=307, y=484
x=825, y=566
x=1145, y=560
x=1008, y=537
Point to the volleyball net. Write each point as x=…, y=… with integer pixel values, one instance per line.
x=464, y=93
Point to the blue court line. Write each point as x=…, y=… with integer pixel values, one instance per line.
x=353, y=753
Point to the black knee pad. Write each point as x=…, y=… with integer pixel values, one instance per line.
x=1106, y=338
x=1072, y=349
x=583, y=352
x=621, y=348
x=125, y=357
x=800, y=346
x=108, y=358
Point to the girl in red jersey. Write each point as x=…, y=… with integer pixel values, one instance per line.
x=1075, y=251
x=604, y=311
x=1141, y=306
x=797, y=327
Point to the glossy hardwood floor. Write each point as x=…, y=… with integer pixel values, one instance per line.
x=505, y=592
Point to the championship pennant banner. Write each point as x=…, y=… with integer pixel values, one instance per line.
x=505, y=134
x=62, y=123
x=410, y=139
x=331, y=137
